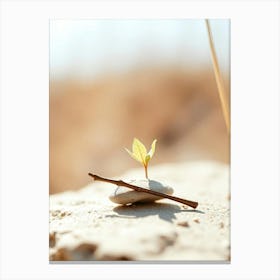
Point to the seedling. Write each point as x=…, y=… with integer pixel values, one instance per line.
x=139, y=153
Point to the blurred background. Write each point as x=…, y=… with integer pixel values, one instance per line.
x=113, y=80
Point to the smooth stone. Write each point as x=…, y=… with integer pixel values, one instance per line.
x=124, y=195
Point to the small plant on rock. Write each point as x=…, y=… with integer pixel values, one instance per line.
x=139, y=153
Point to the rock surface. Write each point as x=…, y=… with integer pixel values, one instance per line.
x=123, y=195
x=86, y=226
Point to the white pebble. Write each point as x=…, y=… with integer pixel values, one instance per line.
x=124, y=195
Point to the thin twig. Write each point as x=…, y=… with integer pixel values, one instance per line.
x=192, y=204
x=218, y=76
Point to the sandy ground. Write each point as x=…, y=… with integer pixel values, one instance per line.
x=86, y=226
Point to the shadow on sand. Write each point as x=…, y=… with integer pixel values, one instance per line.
x=164, y=211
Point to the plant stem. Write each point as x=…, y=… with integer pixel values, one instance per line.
x=146, y=171
x=218, y=77
x=192, y=204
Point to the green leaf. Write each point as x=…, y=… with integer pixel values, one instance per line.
x=153, y=148
x=139, y=151
x=131, y=154
x=147, y=159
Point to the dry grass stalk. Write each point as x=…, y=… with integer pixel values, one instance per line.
x=218, y=76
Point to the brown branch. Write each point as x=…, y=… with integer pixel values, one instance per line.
x=192, y=204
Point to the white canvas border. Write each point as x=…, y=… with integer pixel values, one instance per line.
x=254, y=151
